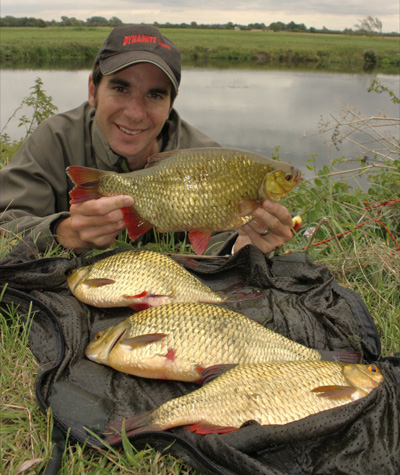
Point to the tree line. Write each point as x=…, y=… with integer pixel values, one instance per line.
x=367, y=26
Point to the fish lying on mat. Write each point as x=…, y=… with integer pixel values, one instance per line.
x=198, y=190
x=177, y=341
x=139, y=279
x=268, y=393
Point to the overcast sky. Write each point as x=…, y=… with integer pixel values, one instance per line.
x=336, y=15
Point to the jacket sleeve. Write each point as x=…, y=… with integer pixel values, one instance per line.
x=34, y=186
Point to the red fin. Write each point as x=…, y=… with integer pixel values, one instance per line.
x=171, y=354
x=202, y=428
x=137, y=296
x=212, y=372
x=246, y=207
x=199, y=240
x=98, y=282
x=135, y=224
x=334, y=392
x=239, y=295
x=86, y=181
x=138, y=307
x=142, y=340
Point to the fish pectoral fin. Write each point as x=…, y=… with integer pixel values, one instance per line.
x=142, y=340
x=135, y=224
x=206, y=428
x=334, y=392
x=246, y=207
x=100, y=282
x=199, y=240
x=212, y=372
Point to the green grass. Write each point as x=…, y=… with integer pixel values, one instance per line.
x=366, y=259
x=237, y=47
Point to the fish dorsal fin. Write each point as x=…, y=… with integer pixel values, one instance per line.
x=143, y=340
x=100, y=282
x=212, y=372
x=334, y=391
x=158, y=157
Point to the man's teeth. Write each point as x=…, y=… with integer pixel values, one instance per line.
x=129, y=132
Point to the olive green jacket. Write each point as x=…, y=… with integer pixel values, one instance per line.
x=34, y=186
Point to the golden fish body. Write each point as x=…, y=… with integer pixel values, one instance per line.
x=177, y=341
x=138, y=278
x=202, y=190
x=269, y=393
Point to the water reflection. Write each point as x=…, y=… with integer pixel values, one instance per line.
x=252, y=109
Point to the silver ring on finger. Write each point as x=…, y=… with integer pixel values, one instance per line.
x=264, y=233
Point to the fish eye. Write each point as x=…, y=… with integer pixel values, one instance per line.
x=98, y=335
x=288, y=177
x=373, y=368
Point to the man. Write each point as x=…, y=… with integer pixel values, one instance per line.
x=129, y=116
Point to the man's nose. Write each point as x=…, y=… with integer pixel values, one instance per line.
x=135, y=108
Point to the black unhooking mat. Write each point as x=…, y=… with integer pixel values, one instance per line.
x=300, y=300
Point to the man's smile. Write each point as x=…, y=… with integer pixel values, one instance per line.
x=129, y=132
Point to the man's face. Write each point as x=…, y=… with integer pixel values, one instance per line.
x=132, y=106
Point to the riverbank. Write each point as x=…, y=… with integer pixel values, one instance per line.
x=27, y=45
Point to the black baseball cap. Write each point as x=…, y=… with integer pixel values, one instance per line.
x=130, y=44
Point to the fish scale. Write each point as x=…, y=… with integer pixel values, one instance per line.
x=268, y=393
x=121, y=279
x=192, y=336
x=199, y=190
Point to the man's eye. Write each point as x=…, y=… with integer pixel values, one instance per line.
x=119, y=89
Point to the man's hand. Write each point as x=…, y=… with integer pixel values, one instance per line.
x=270, y=228
x=93, y=224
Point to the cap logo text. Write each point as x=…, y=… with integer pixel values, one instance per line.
x=129, y=39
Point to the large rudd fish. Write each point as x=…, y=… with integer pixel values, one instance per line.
x=268, y=393
x=177, y=341
x=199, y=190
x=138, y=278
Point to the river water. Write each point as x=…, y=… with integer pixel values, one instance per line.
x=256, y=110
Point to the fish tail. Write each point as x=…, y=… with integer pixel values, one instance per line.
x=86, y=183
x=133, y=425
x=349, y=357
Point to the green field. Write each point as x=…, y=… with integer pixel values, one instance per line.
x=237, y=47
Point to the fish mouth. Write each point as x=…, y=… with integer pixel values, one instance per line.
x=297, y=177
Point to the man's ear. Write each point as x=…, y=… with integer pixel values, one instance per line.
x=91, y=92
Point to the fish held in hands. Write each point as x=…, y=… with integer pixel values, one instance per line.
x=201, y=190
x=177, y=341
x=139, y=279
x=268, y=393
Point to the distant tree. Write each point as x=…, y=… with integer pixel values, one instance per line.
x=369, y=25
x=277, y=26
x=96, y=21
x=114, y=21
